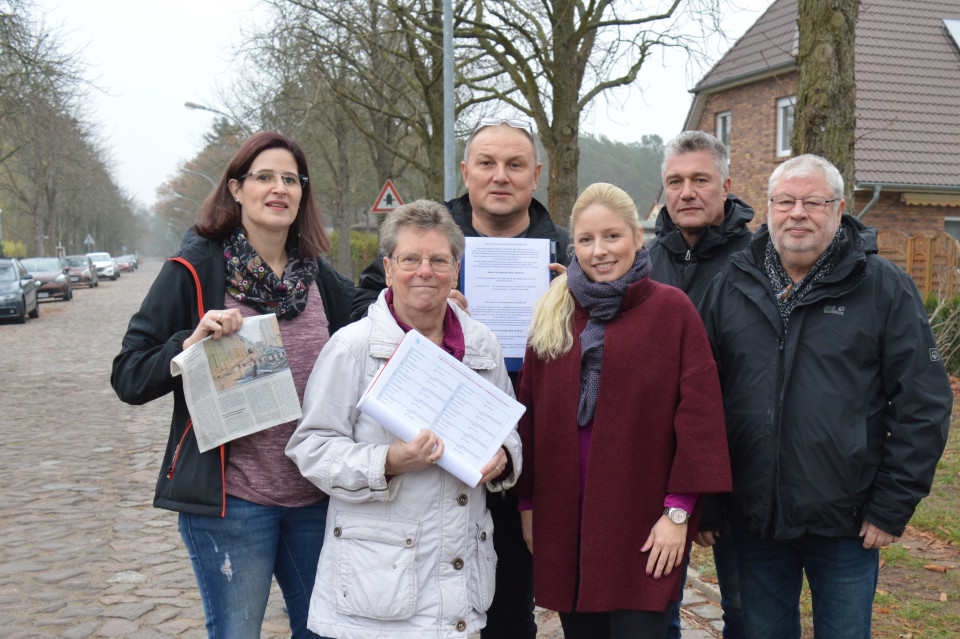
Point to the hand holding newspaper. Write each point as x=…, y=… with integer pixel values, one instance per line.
x=423, y=386
x=238, y=384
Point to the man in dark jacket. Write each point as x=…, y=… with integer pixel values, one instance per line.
x=836, y=402
x=698, y=229
x=500, y=170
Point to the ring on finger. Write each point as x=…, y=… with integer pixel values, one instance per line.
x=219, y=317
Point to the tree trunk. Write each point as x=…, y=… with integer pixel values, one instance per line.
x=825, y=115
x=342, y=178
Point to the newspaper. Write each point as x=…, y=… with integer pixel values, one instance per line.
x=423, y=386
x=238, y=384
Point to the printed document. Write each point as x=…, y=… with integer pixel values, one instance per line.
x=503, y=277
x=238, y=384
x=423, y=386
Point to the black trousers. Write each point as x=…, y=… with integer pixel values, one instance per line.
x=511, y=614
x=616, y=624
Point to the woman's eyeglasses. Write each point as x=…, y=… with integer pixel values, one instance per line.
x=270, y=177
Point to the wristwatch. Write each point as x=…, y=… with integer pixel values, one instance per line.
x=677, y=515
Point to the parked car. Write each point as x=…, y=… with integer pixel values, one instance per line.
x=53, y=275
x=123, y=261
x=18, y=292
x=105, y=265
x=82, y=271
x=131, y=258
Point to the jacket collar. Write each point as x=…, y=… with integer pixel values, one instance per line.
x=481, y=348
x=541, y=225
x=736, y=215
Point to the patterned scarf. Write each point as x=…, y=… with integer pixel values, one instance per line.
x=602, y=300
x=250, y=279
x=788, y=293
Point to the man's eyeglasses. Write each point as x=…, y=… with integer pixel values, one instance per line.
x=523, y=125
x=270, y=177
x=812, y=204
x=439, y=262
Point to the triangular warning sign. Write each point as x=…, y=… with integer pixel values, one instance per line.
x=388, y=199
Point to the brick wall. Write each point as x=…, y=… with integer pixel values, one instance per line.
x=753, y=157
x=753, y=135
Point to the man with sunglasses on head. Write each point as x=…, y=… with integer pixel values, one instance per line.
x=836, y=402
x=501, y=169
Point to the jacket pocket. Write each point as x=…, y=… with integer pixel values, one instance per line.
x=483, y=579
x=376, y=566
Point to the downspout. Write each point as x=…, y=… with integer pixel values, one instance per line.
x=876, y=196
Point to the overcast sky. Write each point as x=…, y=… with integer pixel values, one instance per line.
x=151, y=57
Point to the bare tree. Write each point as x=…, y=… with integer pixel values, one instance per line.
x=825, y=117
x=561, y=54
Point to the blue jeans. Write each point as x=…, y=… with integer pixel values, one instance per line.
x=842, y=577
x=235, y=557
x=725, y=561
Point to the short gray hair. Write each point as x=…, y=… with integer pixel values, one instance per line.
x=482, y=127
x=691, y=141
x=805, y=165
x=424, y=215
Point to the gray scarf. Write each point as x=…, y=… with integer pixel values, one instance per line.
x=787, y=293
x=602, y=300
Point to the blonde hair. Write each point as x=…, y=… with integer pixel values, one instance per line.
x=551, y=331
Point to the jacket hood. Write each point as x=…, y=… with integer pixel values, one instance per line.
x=736, y=215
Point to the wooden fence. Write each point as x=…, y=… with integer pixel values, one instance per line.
x=931, y=261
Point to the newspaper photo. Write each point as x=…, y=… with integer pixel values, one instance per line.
x=423, y=386
x=238, y=384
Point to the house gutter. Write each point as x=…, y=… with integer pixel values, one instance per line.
x=900, y=188
x=876, y=196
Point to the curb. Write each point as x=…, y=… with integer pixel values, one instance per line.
x=708, y=590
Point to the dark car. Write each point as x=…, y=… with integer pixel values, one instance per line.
x=18, y=292
x=53, y=275
x=82, y=271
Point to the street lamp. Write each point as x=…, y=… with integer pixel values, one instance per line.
x=203, y=175
x=200, y=107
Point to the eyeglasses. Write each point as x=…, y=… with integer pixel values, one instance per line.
x=270, y=177
x=814, y=204
x=523, y=125
x=439, y=262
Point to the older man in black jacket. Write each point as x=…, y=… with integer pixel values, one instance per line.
x=836, y=401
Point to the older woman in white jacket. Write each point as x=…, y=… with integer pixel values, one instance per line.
x=408, y=551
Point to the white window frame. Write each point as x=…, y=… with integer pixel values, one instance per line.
x=785, y=106
x=722, y=127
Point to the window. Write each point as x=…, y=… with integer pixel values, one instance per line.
x=784, y=125
x=723, y=128
x=952, y=226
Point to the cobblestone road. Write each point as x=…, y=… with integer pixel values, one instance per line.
x=82, y=551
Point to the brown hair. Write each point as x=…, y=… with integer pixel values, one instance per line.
x=219, y=214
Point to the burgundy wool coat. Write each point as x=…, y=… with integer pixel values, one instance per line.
x=658, y=429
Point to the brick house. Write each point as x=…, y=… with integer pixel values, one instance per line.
x=907, y=153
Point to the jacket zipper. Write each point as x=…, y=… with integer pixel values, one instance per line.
x=176, y=453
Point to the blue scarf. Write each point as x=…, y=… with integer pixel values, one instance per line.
x=602, y=300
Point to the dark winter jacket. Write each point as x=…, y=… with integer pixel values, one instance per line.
x=191, y=481
x=844, y=417
x=373, y=279
x=690, y=268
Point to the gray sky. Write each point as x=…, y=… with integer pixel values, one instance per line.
x=151, y=57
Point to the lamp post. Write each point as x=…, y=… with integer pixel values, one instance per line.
x=203, y=175
x=201, y=107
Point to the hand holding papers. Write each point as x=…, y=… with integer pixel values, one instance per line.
x=422, y=386
x=238, y=384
